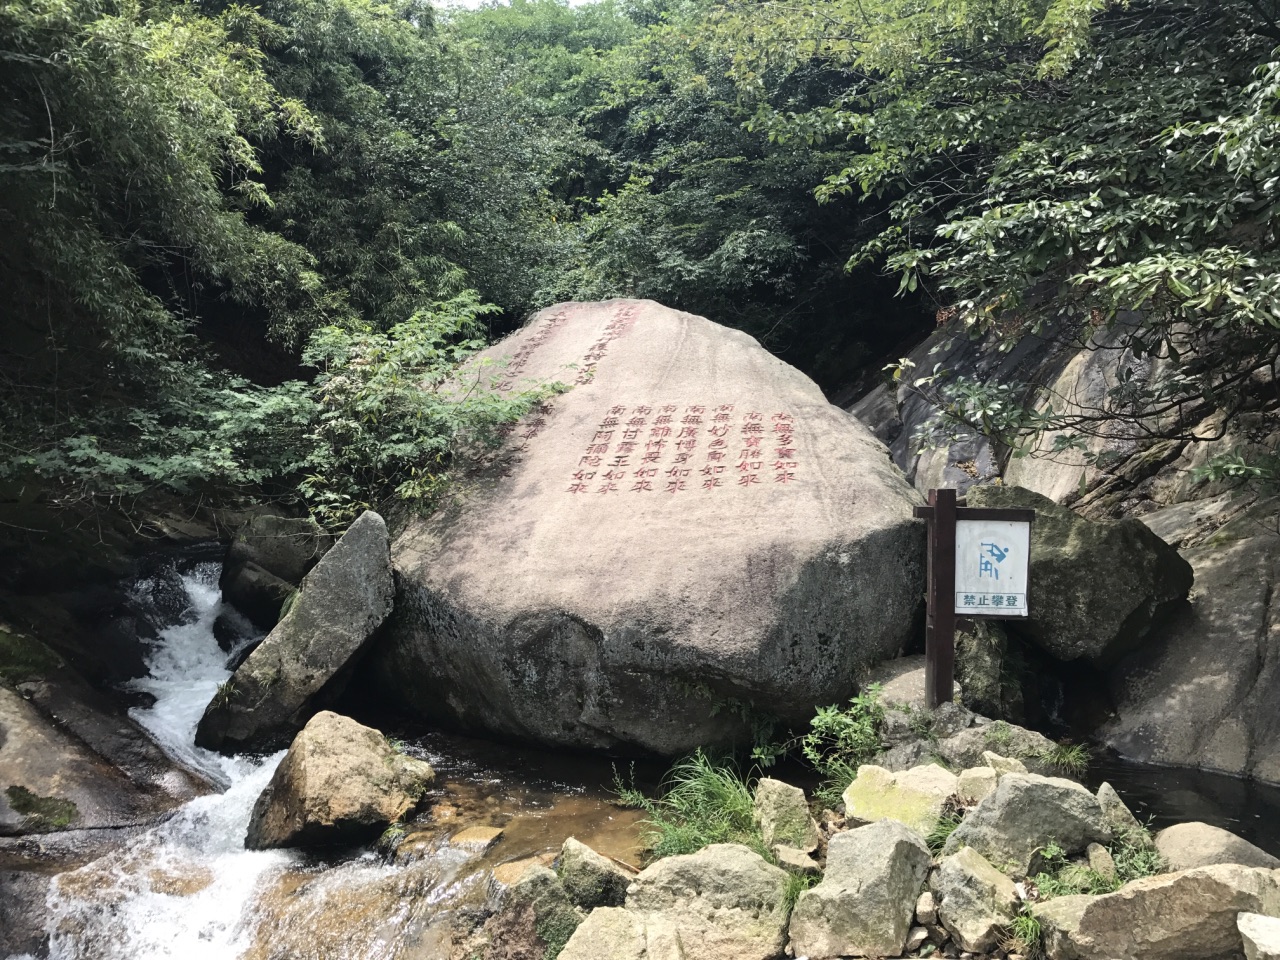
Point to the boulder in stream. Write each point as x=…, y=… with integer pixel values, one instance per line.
x=306, y=661
x=1187, y=845
x=340, y=782
x=691, y=526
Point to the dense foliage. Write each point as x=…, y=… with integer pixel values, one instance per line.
x=245, y=247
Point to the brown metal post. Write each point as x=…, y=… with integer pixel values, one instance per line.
x=940, y=634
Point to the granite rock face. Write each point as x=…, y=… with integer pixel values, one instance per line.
x=692, y=523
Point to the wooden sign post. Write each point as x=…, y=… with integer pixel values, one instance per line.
x=979, y=558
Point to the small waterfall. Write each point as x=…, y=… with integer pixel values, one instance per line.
x=180, y=890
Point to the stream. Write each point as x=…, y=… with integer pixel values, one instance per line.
x=186, y=888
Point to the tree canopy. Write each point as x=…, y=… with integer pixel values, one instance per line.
x=214, y=213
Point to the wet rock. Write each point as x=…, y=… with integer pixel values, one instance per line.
x=590, y=879
x=477, y=840
x=1025, y=813
x=1261, y=936
x=976, y=901
x=340, y=782
x=1187, y=845
x=305, y=662
x=782, y=814
x=866, y=899
x=256, y=593
x=722, y=903
x=1189, y=915
x=285, y=547
x=975, y=784
x=1208, y=694
x=915, y=797
x=536, y=920
x=1112, y=582
x=548, y=606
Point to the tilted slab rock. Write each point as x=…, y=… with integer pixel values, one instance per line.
x=1025, y=813
x=782, y=813
x=692, y=523
x=722, y=903
x=1102, y=585
x=1189, y=915
x=340, y=782
x=1124, y=825
x=1188, y=845
x=304, y=663
x=976, y=902
x=915, y=797
x=866, y=900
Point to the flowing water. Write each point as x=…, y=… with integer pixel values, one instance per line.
x=186, y=888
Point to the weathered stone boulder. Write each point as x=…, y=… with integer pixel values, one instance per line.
x=976, y=902
x=976, y=784
x=257, y=593
x=969, y=748
x=1189, y=915
x=722, y=903
x=590, y=879
x=915, y=797
x=1025, y=813
x=692, y=516
x=286, y=547
x=1187, y=845
x=536, y=919
x=340, y=782
x=1098, y=588
x=1124, y=825
x=866, y=900
x=1261, y=936
x=782, y=813
x=305, y=662
x=1208, y=693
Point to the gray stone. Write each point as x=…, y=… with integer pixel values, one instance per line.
x=976, y=784
x=866, y=900
x=1124, y=825
x=1100, y=860
x=1187, y=845
x=1261, y=936
x=340, y=782
x=722, y=903
x=976, y=902
x=794, y=860
x=1002, y=765
x=257, y=593
x=1025, y=813
x=583, y=619
x=1208, y=694
x=1111, y=582
x=987, y=683
x=926, y=908
x=916, y=938
x=968, y=747
x=305, y=662
x=915, y=797
x=537, y=917
x=286, y=547
x=782, y=814
x=1188, y=915
x=590, y=879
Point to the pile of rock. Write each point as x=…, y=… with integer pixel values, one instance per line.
x=883, y=892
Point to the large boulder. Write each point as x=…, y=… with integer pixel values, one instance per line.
x=305, y=662
x=286, y=547
x=976, y=902
x=1207, y=694
x=722, y=903
x=340, y=782
x=1026, y=813
x=691, y=526
x=915, y=797
x=1187, y=845
x=1189, y=915
x=866, y=900
x=590, y=879
x=1097, y=588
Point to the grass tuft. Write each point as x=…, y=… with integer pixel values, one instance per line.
x=1023, y=936
x=1072, y=758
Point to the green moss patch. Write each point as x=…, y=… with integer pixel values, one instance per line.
x=24, y=658
x=42, y=813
